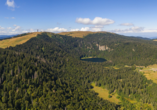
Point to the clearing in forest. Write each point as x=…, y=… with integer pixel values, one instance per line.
x=104, y=93
x=17, y=40
x=150, y=72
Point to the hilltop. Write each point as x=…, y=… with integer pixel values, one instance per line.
x=79, y=34
x=22, y=38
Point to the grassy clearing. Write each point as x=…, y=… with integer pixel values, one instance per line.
x=80, y=34
x=104, y=93
x=18, y=40
x=150, y=72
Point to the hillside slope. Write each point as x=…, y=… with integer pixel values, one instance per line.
x=17, y=40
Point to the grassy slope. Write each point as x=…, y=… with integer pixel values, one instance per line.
x=80, y=34
x=18, y=40
x=150, y=72
x=103, y=93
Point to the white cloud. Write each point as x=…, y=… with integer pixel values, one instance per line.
x=10, y=18
x=24, y=31
x=9, y=28
x=10, y=3
x=1, y=28
x=95, y=28
x=127, y=24
x=83, y=20
x=96, y=21
x=150, y=30
x=84, y=29
x=56, y=29
x=130, y=30
x=137, y=29
x=16, y=28
x=74, y=29
x=3, y=32
x=41, y=30
x=31, y=30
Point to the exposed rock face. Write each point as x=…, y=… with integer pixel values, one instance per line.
x=103, y=47
x=133, y=50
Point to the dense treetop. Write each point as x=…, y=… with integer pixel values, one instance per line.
x=46, y=72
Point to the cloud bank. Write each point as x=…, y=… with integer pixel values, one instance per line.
x=134, y=30
x=127, y=24
x=129, y=30
x=56, y=29
x=1, y=28
x=96, y=21
x=88, y=29
x=16, y=28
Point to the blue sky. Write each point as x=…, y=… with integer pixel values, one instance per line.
x=126, y=17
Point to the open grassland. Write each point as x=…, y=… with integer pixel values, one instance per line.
x=150, y=72
x=80, y=34
x=104, y=93
x=17, y=40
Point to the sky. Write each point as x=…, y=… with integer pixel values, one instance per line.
x=125, y=17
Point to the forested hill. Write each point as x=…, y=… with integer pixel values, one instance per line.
x=113, y=47
x=46, y=73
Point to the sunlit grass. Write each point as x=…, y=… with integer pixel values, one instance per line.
x=80, y=34
x=150, y=72
x=18, y=40
x=104, y=93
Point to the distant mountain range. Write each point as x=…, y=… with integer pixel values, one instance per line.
x=6, y=36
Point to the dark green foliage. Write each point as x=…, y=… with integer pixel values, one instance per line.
x=47, y=73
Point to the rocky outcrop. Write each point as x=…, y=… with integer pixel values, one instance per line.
x=103, y=47
x=133, y=50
